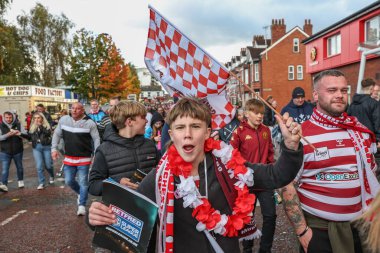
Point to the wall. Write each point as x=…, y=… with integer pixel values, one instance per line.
x=351, y=36
x=274, y=67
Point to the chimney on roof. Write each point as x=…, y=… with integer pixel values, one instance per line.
x=308, y=27
x=243, y=51
x=278, y=29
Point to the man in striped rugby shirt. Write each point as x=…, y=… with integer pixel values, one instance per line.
x=337, y=182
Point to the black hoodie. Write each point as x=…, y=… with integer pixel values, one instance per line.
x=367, y=110
x=119, y=157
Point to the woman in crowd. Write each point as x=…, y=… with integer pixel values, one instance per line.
x=157, y=132
x=41, y=135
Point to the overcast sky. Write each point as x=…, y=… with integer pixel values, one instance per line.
x=221, y=27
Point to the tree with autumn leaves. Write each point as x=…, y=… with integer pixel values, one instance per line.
x=116, y=77
x=98, y=70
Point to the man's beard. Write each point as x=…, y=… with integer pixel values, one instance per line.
x=331, y=111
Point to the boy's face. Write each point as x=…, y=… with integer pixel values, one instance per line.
x=188, y=136
x=139, y=124
x=254, y=118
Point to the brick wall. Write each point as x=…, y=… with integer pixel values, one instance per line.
x=275, y=70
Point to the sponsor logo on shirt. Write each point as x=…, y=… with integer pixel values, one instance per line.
x=337, y=177
x=321, y=154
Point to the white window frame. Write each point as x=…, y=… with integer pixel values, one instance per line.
x=334, y=45
x=299, y=72
x=246, y=76
x=296, y=45
x=256, y=71
x=291, y=72
x=376, y=22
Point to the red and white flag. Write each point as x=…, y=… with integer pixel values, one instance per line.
x=185, y=69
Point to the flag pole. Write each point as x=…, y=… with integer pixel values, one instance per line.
x=267, y=104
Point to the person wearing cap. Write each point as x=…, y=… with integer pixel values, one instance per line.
x=299, y=109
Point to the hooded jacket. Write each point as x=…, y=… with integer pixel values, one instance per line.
x=367, y=110
x=118, y=157
x=14, y=144
x=299, y=113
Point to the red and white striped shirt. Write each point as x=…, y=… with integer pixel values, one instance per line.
x=329, y=185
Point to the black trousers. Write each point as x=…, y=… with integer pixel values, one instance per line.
x=320, y=242
x=268, y=211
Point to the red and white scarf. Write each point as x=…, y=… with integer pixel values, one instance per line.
x=364, y=150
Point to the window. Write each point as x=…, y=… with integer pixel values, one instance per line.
x=246, y=76
x=299, y=72
x=372, y=31
x=256, y=70
x=296, y=45
x=291, y=72
x=333, y=45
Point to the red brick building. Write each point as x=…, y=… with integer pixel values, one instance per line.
x=283, y=63
x=272, y=67
x=340, y=46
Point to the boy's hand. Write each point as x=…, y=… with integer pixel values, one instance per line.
x=290, y=131
x=127, y=182
x=100, y=214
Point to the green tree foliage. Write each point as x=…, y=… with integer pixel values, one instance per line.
x=88, y=54
x=3, y=6
x=47, y=36
x=97, y=68
x=16, y=64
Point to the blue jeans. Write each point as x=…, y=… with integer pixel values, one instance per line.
x=42, y=157
x=6, y=163
x=80, y=187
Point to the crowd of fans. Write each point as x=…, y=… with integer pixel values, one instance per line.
x=127, y=141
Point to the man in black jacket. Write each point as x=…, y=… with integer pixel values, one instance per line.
x=365, y=108
x=11, y=148
x=124, y=154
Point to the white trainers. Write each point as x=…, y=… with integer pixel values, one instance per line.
x=81, y=210
x=21, y=184
x=51, y=180
x=3, y=188
x=40, y=187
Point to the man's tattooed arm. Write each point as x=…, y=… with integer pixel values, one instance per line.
x=292, y=208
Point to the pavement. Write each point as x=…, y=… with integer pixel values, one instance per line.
x=45, y=220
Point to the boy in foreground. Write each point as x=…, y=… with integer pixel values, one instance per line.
x=201, y=209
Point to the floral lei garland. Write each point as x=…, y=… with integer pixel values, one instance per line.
x=207, y=217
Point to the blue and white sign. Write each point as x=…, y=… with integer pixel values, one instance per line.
x=127, y=224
